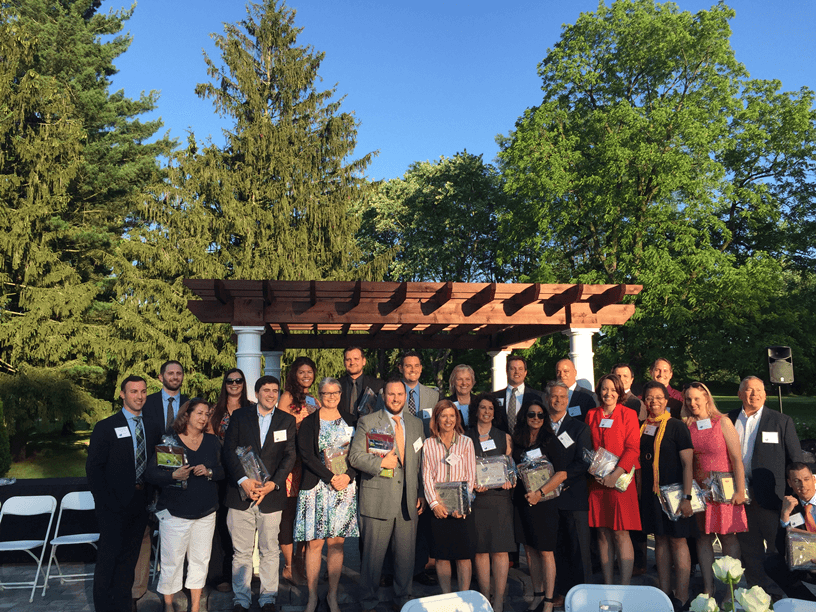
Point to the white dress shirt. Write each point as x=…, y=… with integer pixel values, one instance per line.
x=747, y=431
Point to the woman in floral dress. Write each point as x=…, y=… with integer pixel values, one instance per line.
x=327, y=502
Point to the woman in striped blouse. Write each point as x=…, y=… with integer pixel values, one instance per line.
x=448, y=456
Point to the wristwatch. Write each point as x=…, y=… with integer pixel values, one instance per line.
x=688, y=497
x=209, y=473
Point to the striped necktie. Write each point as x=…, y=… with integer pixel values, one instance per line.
x=141, y=450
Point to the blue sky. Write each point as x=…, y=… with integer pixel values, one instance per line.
x=425, y=79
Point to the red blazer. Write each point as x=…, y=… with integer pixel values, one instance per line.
x=622, y=439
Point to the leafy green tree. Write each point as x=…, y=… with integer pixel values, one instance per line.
x=272, y=203
x=653, y=160
x=75, y=164
x=5, y=449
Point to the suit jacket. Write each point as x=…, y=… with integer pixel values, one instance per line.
x=154, y=410
x=111, y=466
x=583, y=398
x=770, y=458
x=314, y=468
x=635, y=403
x=428, y=398
x=375, y=384
x=277, y=457
x=500, y=418
x=575, y=494
x=381, y=497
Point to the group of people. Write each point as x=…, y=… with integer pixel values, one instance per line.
x=211, y=512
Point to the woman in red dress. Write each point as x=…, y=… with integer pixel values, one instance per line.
x=614, y=427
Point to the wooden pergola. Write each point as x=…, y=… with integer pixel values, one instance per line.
x=329, y=314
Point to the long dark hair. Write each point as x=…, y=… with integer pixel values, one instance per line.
x=293, y=386
x=220, y=408
x=521, y=435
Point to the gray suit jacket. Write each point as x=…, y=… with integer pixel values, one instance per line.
x=428, y=398
x=381, y=497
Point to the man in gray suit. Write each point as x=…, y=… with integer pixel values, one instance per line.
x=390, y=501
x=419, y=399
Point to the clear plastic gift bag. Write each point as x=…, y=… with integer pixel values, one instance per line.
x=671, y=496
x=381, y=442
x=602, y=463
x=253, y=467
x=721, y=487
x=535, y=474
x=455, y=496
x=336, y=458
x=170, y=455
x=368, y=403
x=800, y=549
x=494, y=472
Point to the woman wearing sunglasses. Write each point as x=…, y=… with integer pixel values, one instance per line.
x=534, y=518
x=614, y=427
x=233, y=396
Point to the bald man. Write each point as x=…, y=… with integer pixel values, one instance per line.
x=581, y=400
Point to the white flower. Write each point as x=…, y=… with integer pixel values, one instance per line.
x=753, y=599
x=728, y=570
x=704, y=603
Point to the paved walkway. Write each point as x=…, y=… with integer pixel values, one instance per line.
x=77, y=597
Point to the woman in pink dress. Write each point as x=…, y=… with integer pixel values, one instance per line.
x=716, y=449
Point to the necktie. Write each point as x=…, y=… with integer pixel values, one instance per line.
x=141, y=455
x=353, y=399
x=170, y=418
x=398, y=439
x=411, y=403
x=810, y=524
x=511, y=411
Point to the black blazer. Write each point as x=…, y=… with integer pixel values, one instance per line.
x=375, y=384
x=500, y=418
x=111, y=466
x=277, y=457
x=770, y=459
x=314, y=469
x=583, y=398
x=154, y=410
x=574, y=495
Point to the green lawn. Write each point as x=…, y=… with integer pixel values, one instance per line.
x=53, y=455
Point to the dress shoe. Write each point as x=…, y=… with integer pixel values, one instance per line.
x=425, y=579
x=558, y=601
x=639, y=570
x=386, y=580
x=239, y=608
x=268, y=607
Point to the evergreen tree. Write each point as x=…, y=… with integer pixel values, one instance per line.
x=272, y=203
x=76, y=165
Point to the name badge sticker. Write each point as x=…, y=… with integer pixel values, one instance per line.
x=426, y=413
x=566, y=440
x=650, y=430
x=163, y=515
x=122, y=432
x=500, y=400
x=488, y=445
x=349, y=431
x=279, y=436
x=534, y=453
x=417, y=444
x=606, y=423
x=574, y=411
x=770, y=437
x=797, y=519
x=703, y=424
x=452, y=459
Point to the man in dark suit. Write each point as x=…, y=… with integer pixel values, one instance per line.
x=572, y=552
x=355, y=385
x=630, y=400
x=580, y=400
x=117, y=458
x=270, y=433
x=514, y=396
x=390, y=503
x=769, y=442
x=798, y=514
x=163, y=406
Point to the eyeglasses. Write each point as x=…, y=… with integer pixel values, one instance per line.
x=330, y=393
x=235, y=381
x=535, y=415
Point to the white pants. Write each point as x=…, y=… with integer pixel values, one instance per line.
x=185, y=537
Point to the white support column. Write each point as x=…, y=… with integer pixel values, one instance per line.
x=499, y=368
x=582, y=355
x=248, y=354
x=272, y=364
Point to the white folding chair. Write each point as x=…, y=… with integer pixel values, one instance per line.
x=586, y=597
x=77, y=500
x=471, y=601
x=28, y=505
x=155, y=567
x=794, y=605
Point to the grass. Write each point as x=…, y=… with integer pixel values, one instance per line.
x=53, y=455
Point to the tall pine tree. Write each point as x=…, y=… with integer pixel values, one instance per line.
x=272, y=203
x=61, y=223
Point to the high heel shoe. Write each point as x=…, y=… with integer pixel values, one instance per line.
x=539, y=607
